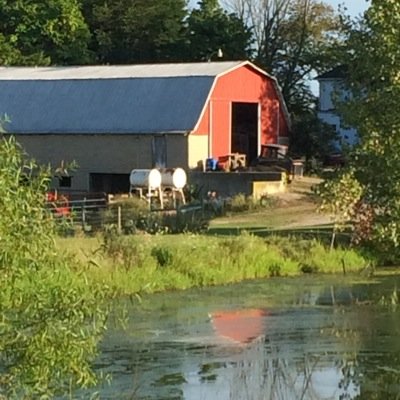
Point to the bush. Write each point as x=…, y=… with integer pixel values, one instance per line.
x=134, y=211
x=241, y=203
x=123, y=250
x=51, y=317
x=163, y=256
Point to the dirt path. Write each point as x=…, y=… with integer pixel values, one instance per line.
x=296, y=207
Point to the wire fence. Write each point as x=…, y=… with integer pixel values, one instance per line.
x=83, y=212
x=97, y=214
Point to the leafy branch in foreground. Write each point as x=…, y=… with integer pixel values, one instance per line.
x=373, y=82
x=51, y=318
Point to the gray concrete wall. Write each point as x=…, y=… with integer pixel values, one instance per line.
x=228, y=184
x=116, y=154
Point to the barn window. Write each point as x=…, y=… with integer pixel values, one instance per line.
x=65, y=181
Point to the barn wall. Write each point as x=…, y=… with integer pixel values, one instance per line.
x=248, y=86
x=107, y=154
x=198, y=150
x=177, y=151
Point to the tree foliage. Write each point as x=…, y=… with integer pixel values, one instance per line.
x=210, y=27
x=51, y=317
x=36, y=32
x=293, y=39
x=135, y=31
x=311, y=138
x=373, y=57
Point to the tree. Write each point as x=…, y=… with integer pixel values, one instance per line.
x=135, y=31
x=373, y=57
x=51, y=317
x=210, y=27
x=36, y=32
x=311, y=138
x=293, y=39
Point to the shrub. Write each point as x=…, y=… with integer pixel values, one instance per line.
x=163, y=256
x=124, y=251
x=241, y=203
x=51, y=317
x=133, y=212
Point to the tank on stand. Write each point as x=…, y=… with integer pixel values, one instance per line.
x=146, y=183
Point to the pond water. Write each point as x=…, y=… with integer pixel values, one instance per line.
x=293, y=338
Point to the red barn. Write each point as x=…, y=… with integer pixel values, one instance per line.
x=112, y=119
x=244, y=110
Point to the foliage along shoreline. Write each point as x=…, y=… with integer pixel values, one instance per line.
x=137, y=264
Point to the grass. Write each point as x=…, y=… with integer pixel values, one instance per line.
x=288, y=238
x=145, y=264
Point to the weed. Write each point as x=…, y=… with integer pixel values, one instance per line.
x=274, y=270
x=163, y=255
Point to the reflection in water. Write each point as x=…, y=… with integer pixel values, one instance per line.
x=239, y=326
x=294, y=339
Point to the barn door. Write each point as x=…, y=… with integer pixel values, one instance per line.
x=245, y=129
x=159, y=152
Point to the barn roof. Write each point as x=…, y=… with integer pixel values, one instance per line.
x=118, y=71
x=157, y=98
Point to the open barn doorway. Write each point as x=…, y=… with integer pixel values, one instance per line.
x=245, y=129
x=109, y=183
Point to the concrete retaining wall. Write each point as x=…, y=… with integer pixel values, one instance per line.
x=228, y=184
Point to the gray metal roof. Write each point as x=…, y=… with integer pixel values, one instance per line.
x=339, y=72
x=134, y=105
x=118, y=71
x=155, y=98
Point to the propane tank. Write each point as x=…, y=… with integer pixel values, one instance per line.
x=145, y=178
x=174, y=177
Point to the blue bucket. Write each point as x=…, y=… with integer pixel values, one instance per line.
x=211, y=164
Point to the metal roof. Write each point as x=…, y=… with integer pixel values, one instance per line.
x=339, y=72
x=154, y=105
x=155, y=98
x=118, y=71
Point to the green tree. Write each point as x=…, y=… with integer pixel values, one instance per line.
x=36, y=32
x=292, y=40
x=51, y=317
x=210, y=27
x=373, y=59
x=135, y=31
x=311, y=138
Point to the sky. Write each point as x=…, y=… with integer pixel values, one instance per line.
x=354, y=7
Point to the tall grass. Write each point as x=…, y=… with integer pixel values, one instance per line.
x=145, y=263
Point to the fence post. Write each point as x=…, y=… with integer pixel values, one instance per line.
x=119, y=226
x=83, y=213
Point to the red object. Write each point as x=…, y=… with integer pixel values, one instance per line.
x=245, y=84
x=60, y=204
x=239, y=326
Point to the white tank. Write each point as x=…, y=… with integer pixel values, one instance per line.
x=145, y=178
x=174, y=177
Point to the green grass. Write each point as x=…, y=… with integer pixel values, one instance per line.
x=143, y=263
x=286, y=238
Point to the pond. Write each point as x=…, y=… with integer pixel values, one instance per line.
x=282, y=338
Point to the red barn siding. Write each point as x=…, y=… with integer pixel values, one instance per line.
x=221, y=127
x=204, y=126
x=244, y=85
